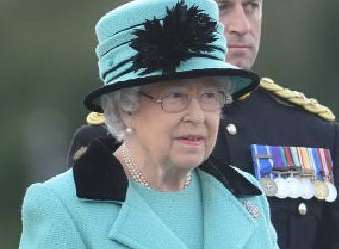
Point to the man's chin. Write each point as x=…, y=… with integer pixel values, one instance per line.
x=243, y=61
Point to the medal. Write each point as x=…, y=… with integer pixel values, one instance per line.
x=294, y=186
x=269, y=186
x=262, y=159
x=332, y=192
x=321, y=190
x=327, y=169
x=282, y=188
x=307, y=188
x=280, y=167
x=294, y=172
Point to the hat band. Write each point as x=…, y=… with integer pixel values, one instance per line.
x=146, y=71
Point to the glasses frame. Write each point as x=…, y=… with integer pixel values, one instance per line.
x=161, y=101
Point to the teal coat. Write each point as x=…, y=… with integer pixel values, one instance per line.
x=93, y=206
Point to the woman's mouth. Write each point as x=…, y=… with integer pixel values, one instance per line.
x=191, y=140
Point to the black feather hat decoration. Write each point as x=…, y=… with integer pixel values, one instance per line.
x=163, y=44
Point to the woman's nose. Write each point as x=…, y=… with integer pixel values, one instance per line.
x=194, y=113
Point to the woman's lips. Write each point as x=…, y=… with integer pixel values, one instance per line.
x=191, y=140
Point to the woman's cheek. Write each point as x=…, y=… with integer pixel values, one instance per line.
x=211, y=144
x=208, y=149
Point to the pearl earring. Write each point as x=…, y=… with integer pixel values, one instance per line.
x=129, y=131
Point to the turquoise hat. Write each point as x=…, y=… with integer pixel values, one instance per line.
x=148, y=41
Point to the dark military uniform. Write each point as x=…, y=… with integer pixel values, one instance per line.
x=269, y=117
x=264, y=118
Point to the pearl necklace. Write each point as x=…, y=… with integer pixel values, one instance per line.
x=136, y=174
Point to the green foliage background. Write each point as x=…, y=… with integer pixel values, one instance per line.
x=47, y=65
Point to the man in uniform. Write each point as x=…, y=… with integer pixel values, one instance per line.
x=276, y=116
x=271, y=116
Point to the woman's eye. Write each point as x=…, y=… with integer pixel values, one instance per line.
x=176, y=95
x=209, y=95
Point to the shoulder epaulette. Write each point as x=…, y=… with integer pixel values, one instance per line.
x=297, y=98
x=95, y=118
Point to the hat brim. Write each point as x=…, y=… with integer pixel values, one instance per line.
x=243, y=82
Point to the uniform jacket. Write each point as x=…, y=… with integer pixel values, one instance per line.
x=93, y=206
x=265, y=119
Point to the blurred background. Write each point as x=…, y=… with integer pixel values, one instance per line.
x=47, y=65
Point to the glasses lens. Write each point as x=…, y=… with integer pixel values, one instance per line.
x=212, y=101
x=209, y=101
x=175, y=102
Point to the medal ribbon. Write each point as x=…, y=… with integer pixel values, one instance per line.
x=316, y=160
x=283, y=157
x=295, y=156
x=310, y=157
x=329, y=165
x=301, y=158
x=322, y=164
x=277, y=157
x=306, y=159
x=263, y=164
x=326, y=165
x=289, y=158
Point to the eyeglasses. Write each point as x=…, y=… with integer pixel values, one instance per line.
x=209, y=101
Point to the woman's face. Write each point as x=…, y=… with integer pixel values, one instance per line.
x=180, y=139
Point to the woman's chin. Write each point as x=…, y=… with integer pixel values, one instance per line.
x=188, y=163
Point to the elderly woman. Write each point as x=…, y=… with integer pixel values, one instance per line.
x=165, y=84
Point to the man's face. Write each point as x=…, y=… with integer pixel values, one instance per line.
x=242, y=21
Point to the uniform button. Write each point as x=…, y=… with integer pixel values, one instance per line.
x=231, y=129
x=302, y=209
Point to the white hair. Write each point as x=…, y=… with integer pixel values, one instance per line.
x=124, y=100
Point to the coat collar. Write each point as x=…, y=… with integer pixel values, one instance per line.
x=133, y=215
x=99, y=176
x=218, y=205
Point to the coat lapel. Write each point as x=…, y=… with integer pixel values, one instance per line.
x=99, y=176
x=221, y=212
x=137, y=226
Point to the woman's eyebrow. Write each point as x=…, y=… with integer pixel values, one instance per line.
x=224, y=1
x=174, y=88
